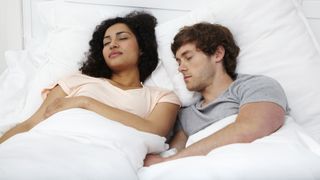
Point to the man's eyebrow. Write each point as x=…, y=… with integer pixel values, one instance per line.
x=185, y=53
x=182, y=55
x=118, y=33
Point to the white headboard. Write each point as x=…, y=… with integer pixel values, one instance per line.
x=33, y=29
x=311, y=9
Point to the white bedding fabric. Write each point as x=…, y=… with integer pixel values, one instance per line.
x=63, y=149
x=289, y=153
x=77, y=144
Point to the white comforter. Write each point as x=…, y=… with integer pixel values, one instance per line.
x=77, y=144
x=287, y=154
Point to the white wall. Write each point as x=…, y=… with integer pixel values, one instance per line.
x=311, y=10
x=10, y=28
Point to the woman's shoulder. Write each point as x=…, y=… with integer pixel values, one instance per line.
x=79, y=76
x=163, y=94
x=156, y=89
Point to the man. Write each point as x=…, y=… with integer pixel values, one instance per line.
x=206, y=54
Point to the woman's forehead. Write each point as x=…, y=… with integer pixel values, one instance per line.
x=118, y=27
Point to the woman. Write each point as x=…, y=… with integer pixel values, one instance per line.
x=122, y=54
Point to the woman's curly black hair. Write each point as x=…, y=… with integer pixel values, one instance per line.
x=142, y=24
x=207, y=37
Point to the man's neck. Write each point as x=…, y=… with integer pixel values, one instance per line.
x=219, y=85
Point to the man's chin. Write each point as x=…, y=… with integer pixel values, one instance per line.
x=190, y=88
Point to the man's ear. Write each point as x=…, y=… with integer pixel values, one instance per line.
x=219, y=54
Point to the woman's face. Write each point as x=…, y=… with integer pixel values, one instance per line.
x=121, y=50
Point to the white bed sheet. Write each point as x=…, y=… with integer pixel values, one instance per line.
x=77, y=144
x=289, y=153
x=275, y=40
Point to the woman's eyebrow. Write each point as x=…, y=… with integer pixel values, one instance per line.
x=118, y=33
x=123, y=32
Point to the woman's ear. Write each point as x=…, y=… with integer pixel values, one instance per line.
x=219, y=54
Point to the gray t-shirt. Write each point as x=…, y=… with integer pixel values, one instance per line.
x=245, y=89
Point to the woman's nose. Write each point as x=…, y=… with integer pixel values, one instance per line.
x=113, y=44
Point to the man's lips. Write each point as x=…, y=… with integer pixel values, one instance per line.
x=186, y=77
x=114, y=54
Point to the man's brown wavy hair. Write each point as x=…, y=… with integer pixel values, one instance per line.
x=207, y=37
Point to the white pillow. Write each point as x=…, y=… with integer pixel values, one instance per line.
x=275, y=40
x=165, y=33
x=20, y=85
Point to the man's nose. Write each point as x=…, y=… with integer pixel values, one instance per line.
x=182, y=67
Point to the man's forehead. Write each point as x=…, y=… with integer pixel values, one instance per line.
x=188, y=47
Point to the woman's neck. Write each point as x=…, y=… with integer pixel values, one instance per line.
x=126, y=80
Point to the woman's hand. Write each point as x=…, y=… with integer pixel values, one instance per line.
x=65, y=103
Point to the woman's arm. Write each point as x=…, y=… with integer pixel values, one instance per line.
x=37, y=117
x=160, y=121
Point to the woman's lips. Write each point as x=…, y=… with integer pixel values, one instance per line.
x=114, y=54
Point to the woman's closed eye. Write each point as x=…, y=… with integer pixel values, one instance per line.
x=123, y=38
x=106, y=43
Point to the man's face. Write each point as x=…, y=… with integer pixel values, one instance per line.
x=197, y=68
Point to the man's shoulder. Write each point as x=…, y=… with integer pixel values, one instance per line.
x=246, y=83
x=250, y=77
x=190, y=108
x=247, y=79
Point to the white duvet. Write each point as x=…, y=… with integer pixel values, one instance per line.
x=77, y=144
x=287, y=154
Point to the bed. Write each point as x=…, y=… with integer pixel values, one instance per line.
x=275, y=39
